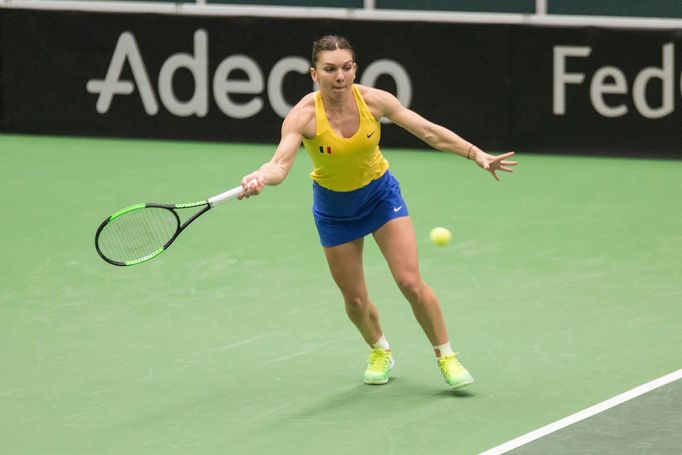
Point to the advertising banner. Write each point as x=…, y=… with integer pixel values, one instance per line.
x=504, y=87
x=595, y=90
x=233, y=79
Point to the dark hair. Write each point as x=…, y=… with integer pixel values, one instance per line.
x=331, y=43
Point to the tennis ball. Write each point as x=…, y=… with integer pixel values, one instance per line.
x=440, y=236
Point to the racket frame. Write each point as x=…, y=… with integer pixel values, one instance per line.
x=207, y=205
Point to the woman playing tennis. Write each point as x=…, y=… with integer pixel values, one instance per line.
x=354, y=195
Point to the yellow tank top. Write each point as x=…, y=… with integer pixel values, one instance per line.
x=346, y=164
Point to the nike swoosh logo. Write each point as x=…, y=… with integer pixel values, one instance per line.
x=397, y=209
x=370, y=134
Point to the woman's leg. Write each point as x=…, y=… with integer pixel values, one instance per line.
x=345, y=265
x=397, y=242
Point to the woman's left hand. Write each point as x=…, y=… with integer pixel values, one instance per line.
x=492, y=163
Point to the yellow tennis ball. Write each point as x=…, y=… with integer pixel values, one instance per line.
x=440, y=236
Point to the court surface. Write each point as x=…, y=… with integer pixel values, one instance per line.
x=561, y=289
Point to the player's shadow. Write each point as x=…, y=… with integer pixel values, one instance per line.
x=456, y=393
x=388, y=399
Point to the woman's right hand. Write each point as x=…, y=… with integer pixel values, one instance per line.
x=253, y=185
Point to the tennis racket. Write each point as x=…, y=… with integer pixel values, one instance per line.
x=141, y=232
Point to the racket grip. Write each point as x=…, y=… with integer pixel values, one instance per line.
x=229, y=194
x=226, y=196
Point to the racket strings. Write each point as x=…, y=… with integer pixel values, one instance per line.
x=137, y=234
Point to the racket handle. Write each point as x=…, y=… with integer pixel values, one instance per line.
x=229, y=194
x=226, y=196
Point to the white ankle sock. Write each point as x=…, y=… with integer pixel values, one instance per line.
x=443, y=350
x=382, y=343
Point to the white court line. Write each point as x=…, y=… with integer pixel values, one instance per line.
x=584, y=414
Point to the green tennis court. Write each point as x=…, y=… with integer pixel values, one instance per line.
x=561, y=289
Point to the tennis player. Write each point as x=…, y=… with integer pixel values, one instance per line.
x=355, y=194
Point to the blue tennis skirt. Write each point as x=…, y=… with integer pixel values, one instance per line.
x=343, y=216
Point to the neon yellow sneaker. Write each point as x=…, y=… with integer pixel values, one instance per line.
x=380, y=362
x=453, y=372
